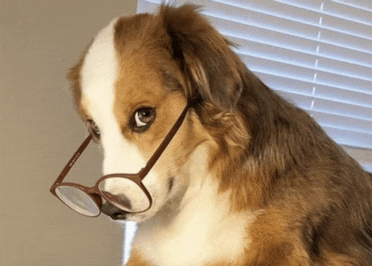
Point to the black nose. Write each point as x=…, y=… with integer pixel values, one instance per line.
x=114, y=212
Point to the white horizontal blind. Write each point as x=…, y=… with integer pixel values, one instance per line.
x=317, y=54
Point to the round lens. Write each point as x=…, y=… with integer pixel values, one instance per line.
x=78, y=200
x=124, y=194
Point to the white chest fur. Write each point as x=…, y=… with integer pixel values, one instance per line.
x=203, y=231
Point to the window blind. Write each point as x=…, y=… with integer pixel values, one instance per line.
x=317, y=54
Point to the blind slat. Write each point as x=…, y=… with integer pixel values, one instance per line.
x=346, y=54
x=304, y=59
x=313, y=103
x=345, y=40
x=248, y=46
x=280, y=83
x=365, y=6
x=342, y=109
x=311, y=5
x=275, y=53
x=317, y=76
x=344, y=82
x=342, y=10
x=348, y=27
x=257, y=19
x=310, y=89
x=276, y=9
x=349, y=69
x=345, y=96
x=343, y=123
x=349, y=138
x=264, y=35
x=279, y=68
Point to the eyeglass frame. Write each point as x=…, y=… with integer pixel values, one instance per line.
x=94, y=192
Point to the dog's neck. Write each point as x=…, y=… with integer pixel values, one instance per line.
x=192, y=227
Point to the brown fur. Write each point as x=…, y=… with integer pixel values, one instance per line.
x=137, y=260
x=315, y=201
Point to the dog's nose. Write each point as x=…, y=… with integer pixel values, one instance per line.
x=114, y=212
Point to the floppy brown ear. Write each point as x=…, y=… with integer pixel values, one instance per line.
x=209, y=65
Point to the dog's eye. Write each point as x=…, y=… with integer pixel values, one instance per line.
x=143, y=118
x=94, y=130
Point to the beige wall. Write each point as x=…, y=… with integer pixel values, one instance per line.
x=39, y=40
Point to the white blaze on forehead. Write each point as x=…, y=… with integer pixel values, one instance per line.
x=99, y=74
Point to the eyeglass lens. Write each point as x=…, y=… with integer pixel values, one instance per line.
x=78, y=200
x=132, y=199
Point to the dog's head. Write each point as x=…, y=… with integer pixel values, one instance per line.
x=133, y=81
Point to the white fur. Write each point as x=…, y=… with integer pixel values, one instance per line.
x=99, y=74
x=202, y=231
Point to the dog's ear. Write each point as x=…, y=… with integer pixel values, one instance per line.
x=209, y=65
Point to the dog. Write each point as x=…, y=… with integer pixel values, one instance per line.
x=248, y=179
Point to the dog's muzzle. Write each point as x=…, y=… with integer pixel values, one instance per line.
x=114, y=212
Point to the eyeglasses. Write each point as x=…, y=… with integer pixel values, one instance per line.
x=88, y=200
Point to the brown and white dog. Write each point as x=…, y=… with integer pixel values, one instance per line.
x=249, y=179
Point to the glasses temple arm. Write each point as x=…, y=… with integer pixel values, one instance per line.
x=164, y=143
x=73, y=159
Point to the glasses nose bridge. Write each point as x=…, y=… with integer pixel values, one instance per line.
x=95, y=195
